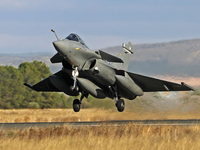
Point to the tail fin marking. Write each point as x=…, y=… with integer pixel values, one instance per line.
x=125, y=55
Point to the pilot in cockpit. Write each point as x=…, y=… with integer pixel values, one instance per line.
x=74, y=37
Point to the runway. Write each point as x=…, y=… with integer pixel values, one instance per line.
x=99, y=123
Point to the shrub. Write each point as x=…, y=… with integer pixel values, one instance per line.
x=33, y=105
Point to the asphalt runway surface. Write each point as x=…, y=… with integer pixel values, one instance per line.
x=100, y=123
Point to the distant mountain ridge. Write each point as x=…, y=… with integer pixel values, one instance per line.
x=18, y=58
x=189, y=50
x=177, y=58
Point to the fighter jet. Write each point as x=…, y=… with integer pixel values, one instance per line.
x=99, y=74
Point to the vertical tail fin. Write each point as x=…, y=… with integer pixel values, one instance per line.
x=125, y=55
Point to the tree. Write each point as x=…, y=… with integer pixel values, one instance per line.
x=11, y=84
x=30, y=73
x=13, y=94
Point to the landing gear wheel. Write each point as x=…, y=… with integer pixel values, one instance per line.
x=76, y=105
x=120, y=105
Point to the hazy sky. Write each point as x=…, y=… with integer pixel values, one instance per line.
x=25, y=25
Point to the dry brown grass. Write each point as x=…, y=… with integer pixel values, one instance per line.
x=103, y=137
x=68, y=115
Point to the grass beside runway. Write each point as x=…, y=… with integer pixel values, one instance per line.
x=102, y=137
x=68, y=115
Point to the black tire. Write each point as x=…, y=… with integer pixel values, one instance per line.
x=120, y=105
x=76, y=105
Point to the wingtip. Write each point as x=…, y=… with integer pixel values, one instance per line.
x=186, y=85
x=28, y=85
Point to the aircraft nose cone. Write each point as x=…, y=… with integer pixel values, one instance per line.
x=61, y=46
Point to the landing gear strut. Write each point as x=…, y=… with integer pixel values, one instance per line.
x=75, y=74
x=119, y=103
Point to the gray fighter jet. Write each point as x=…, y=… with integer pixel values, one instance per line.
x=99, y=74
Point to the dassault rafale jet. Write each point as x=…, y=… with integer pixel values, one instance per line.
x=99, y=74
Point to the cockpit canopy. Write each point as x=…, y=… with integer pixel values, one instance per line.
x=75, y=37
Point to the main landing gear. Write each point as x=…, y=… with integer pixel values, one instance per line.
x=77, y=103
x=119, y=103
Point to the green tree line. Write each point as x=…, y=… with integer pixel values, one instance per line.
x=13, y=93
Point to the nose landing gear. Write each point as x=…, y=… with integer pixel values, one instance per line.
x=77, y=103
